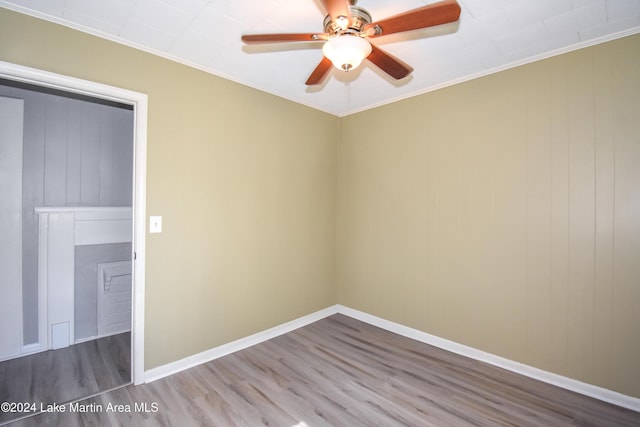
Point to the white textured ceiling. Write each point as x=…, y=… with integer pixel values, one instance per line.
x=491, y=35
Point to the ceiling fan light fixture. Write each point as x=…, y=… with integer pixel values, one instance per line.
x=346, y=52
x=347, y=28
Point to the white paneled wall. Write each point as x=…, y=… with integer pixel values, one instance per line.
x=11, y=117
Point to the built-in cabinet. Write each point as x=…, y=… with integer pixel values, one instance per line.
x=61, y=230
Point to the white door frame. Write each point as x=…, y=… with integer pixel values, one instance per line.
x=139, y=103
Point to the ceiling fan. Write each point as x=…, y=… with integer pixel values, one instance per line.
x=348, y=29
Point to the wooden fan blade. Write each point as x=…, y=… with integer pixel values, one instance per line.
x=320, y=73
x=430, y=15
x=337, y=8
x=389, y=63
x=279, y=38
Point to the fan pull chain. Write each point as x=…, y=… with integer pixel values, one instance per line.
x=347, y=88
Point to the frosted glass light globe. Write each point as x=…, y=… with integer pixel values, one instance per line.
x=346, y=51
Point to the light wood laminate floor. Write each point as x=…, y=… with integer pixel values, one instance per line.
x=342, y=372
x=66, y=374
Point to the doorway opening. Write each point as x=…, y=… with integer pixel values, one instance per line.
x=120, y=261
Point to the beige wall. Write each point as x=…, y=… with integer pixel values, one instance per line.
x=504, y=213
x=244, y=182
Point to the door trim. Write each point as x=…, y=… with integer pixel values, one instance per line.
x=139, y=102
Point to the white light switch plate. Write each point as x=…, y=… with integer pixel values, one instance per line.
x=155, y=224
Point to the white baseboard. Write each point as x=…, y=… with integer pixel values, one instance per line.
x=596, y=392
x=225, y=349
x=32, y=348
x=29, y=349
x=599, y=393
x=97, y=337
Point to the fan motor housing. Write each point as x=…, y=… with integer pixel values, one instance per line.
x=359, y=18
